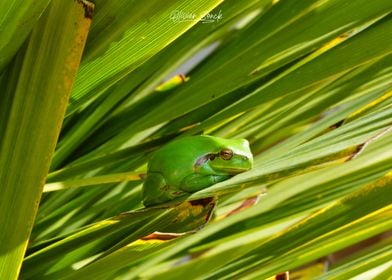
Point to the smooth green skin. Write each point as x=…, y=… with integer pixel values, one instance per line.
x=186, y=165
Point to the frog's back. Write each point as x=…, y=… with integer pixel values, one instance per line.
x=179, y=157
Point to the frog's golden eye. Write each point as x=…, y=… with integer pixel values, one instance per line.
x=226, y=154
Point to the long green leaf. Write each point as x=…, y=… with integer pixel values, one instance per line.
x=17, y=19
x=39, y=100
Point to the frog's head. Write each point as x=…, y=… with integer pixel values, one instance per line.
x=232, y=156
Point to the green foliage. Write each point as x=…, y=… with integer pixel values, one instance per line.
x=33, y=104
x=308, y=83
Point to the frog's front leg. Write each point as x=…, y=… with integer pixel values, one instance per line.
x=196, y=182
x=156, y=190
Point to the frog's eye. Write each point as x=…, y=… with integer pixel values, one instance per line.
x=226, y=154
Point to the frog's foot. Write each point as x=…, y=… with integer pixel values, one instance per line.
x=196, y=182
